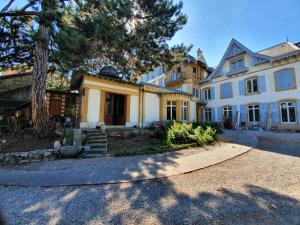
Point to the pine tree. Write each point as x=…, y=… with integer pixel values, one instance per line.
x=77, y=35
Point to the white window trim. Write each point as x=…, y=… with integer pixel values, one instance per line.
x=207, y=110
x=171, y=105
x=252, y=86
x=206, y=96
x=227, y=109
x=288, y=112
x=184, y=109
x=253, y=111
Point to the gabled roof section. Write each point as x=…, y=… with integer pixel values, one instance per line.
x=236, y=48
x=280, y=49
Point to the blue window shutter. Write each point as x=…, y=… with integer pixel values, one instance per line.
x=212, y=93
x=242, y=87
x=262, y=83
x=243, y=112
x=284, y=79
x=219, y=114
x=234, y=114
x=298, y=111
x=263, y=113
x=275, y=112
x=226, y=90
x=213, y=114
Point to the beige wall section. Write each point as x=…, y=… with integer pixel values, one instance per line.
x=84, y=104
x=172, y=97
x=127, y=109
x=102, y=107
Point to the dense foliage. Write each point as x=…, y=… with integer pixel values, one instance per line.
x=184, y=133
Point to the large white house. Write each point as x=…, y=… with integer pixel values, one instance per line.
x=255, y=88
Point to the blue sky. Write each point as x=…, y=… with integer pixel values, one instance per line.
x=258, y=24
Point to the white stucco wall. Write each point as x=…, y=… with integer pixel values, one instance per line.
x=151, y=108
x=93, y=108
x=269, y=95
x=193, y=113
x=134, y=111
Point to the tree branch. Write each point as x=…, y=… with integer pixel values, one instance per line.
x=17, y=13
x=7, y=6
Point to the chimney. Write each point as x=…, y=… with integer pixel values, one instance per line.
x=199, y=53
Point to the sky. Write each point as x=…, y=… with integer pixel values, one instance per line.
x=257, y=24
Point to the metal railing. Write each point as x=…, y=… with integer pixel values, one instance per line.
x=179, y=76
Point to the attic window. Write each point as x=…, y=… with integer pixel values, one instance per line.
x=237, y=65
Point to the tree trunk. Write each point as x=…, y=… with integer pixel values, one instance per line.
x=38, y=89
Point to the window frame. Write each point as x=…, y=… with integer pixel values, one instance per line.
x=252, y=86
x=171, y=106
x=184, y=110
x=288, y=111
x=207, y=111
x=236, y=61
x=227, y=109
x=207, y=94
x=254, y=107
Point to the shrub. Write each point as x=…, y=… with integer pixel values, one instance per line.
x=179, y=133
x=203, y=136
x=205, y=125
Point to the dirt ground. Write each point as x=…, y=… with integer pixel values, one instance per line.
x=119, y=143
x=28, y=143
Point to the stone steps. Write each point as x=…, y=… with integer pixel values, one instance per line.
x=97, y=142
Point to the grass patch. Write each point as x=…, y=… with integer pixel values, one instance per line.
x=152, y=149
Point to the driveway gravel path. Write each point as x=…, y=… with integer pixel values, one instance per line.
x=258, y=187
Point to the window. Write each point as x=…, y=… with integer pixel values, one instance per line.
x=207, y=114
x=171, y=110
x=227, y=112
x=196, y=92
x=194, y=71
x=174, y=75
x=253, y=113
x=184, y=110
x=288, y=112
x=237, y=65
x=285, y=79
x=207, y=94
x=241, y=64
x=252, y=86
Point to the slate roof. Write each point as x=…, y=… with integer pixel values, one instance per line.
x=280, y=49
x=12, y=104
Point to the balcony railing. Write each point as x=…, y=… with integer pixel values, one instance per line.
x=173, y=78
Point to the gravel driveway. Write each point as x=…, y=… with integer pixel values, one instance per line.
x=259, y=187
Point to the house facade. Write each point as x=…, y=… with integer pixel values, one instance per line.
x=255, y=87
x=107, y=101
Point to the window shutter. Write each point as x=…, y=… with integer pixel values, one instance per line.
x=242, y=87
x=219, y=114
x=275, y=112
x=285, y=79
x=212, y=93
x=213, y=114
x=263, y=113
x=234, y=114
x=262, y=83
x=243, y=112
x=298, y=111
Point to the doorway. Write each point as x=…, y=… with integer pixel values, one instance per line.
x=115, y=109
x=55, y=105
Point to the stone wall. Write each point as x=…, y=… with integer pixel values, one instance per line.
x=26, y=157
